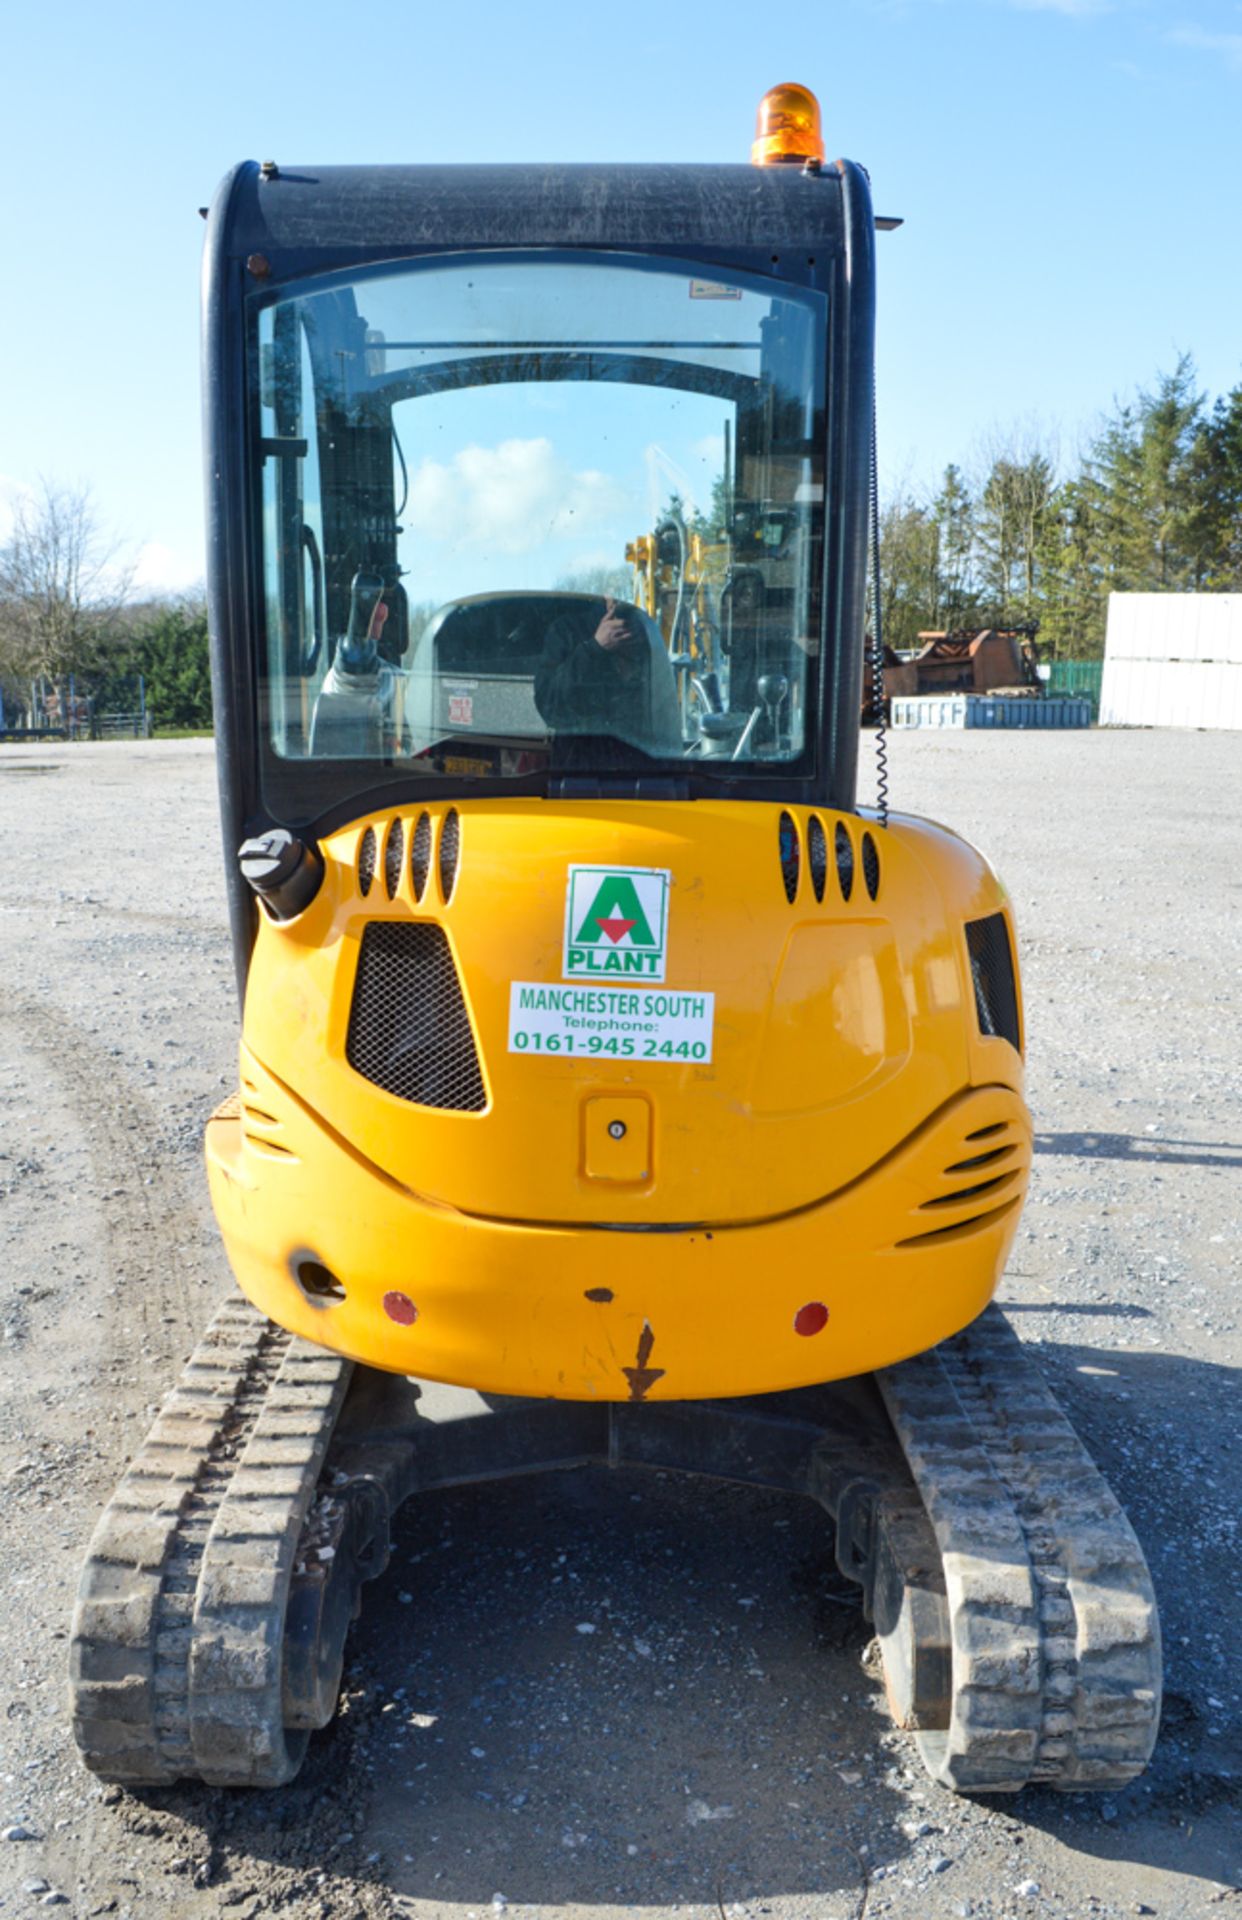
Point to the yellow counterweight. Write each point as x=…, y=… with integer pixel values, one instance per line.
x=621, y=1100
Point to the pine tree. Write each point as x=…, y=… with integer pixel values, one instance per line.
x=1215, y=519
x=954, y=514
x=1072, y=595
x=1140, y=480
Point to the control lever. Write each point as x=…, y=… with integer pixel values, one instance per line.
x=772, y=690
x=358, y=652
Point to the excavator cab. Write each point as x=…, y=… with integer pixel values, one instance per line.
x=612, y=1083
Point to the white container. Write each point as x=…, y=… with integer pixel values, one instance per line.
x=993, y=710
x=989, y=710
x=1173, y=660
x=929, y=710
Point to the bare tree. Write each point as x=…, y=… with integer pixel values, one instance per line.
x=63, y=585
x=1016, y=492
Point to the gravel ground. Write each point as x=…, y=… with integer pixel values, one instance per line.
x=597, y=1692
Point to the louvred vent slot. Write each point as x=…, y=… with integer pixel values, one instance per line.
x=420, y=855
x=394, y=854
x=450, y=853
x=366, y=862
x=845, y=860
x=871, y=865
x=791, y=856
x=817, y=854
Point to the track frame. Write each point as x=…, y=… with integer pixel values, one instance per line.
x=1010, y=1599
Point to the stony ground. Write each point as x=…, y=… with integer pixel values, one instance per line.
x=604, y=1693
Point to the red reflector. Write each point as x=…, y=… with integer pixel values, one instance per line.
x=399, y=1307
x=812, y=1318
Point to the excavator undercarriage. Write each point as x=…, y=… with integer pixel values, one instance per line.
x=1011, y=1602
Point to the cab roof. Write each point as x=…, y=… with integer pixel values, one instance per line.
x=357, y=213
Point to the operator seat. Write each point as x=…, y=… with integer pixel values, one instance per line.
x=480, y=656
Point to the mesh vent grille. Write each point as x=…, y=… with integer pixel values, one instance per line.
x=791, y=856
x=408, y=1027
x=450, y=851
x=845, y=860
x=420, y=855
x=817, y=854
x=871, y=865
x=366, y=862
x=991, y=967
x=394, y=854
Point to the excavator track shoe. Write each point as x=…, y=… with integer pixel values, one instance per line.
x=1056, y=1671
x=176, y=1662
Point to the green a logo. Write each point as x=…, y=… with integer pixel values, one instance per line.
x=615, y=911
x=616, y=922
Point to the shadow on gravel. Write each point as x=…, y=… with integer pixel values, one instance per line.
x=1141, y=1146
x=1164, y=1430
x=597, y=1688
x=1104, y=1310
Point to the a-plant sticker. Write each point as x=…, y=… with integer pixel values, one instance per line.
x=616, y=923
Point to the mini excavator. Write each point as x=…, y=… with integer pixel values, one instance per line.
x=614, y=1087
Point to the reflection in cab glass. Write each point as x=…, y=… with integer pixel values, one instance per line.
x=526, y=517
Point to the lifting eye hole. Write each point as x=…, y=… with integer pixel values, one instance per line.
x=366, y=862
x=394, y=854
x=420, y=855
x=791, y=856
x=450, y=852
x=817, y=854
x=845, y=860
x=318, y=1282
x=871, y=865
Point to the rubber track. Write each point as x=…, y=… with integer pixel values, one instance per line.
x=1056, y=1637
x=176, y=1661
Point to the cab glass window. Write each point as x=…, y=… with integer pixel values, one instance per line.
x=523, y=517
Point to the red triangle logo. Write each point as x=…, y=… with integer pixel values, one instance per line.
x=614, y=928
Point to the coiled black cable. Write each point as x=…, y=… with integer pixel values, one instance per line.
x=877, y=638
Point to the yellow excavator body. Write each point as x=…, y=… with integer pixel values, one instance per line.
x=598, y=1048
x=769, y=1145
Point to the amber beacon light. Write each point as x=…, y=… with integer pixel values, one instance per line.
x=787, y=128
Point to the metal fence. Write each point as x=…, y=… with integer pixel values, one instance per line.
x=96, y=707
x=1080, y=678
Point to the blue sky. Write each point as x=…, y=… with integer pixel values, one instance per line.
x=1067, y=169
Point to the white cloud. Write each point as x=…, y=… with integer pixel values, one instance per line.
x=157, y=569
x=1073, y=8
x=1228, y=44
x=510, y=498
